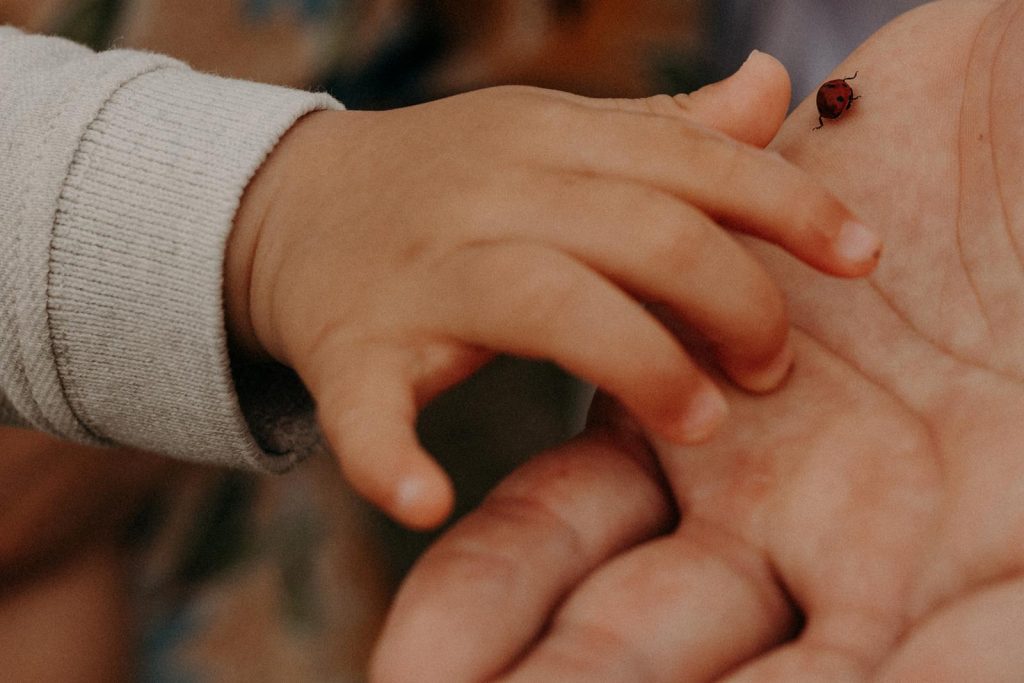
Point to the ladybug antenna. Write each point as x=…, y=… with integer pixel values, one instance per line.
x=850, y=78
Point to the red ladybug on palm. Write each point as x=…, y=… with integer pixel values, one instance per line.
x=834, y=98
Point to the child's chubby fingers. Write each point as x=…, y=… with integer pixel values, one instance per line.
x=367, y=409
x=534, y=301
x=744, y=188
x=749, y=106
x=662, y=250
x=739, y=185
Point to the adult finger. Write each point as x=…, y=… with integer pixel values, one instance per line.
x=482, y=593
x=683, y=608
x=841, y=641
x=976, y=638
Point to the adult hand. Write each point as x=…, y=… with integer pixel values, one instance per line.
x=864, y=522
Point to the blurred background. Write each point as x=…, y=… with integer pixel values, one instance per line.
x=239, y=577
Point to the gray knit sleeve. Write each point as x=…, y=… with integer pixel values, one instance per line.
x=120, y=178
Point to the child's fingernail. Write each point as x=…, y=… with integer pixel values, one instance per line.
x=706, y=410
x=857, y=242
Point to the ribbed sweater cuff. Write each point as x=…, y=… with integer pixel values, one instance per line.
x=136, y=272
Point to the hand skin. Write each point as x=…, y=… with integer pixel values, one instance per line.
x=865, y=522
x=386, y=256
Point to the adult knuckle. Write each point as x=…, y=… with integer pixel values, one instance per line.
x=596, y=650
x=536, y=512
x=469, y=561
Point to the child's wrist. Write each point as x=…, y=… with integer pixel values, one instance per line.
x=286, y=194
x=242, y=315
x=238, y=262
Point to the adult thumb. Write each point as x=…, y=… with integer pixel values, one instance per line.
x=750, y=105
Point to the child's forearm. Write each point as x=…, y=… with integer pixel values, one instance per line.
x=120, y=178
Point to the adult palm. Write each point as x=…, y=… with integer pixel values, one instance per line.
x=864, y=522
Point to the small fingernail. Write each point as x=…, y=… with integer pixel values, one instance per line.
x=770, y=375
x=705, y=412
x=857, y=242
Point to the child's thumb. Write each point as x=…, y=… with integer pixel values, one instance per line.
x=750, y=105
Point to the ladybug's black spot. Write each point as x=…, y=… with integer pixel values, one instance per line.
x=840, y=99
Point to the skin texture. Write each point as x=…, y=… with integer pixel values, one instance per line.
x=866, y=521
x=387, y=255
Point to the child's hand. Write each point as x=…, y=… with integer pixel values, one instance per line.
x=385, y=256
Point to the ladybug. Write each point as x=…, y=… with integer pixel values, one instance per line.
x=835, y=97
